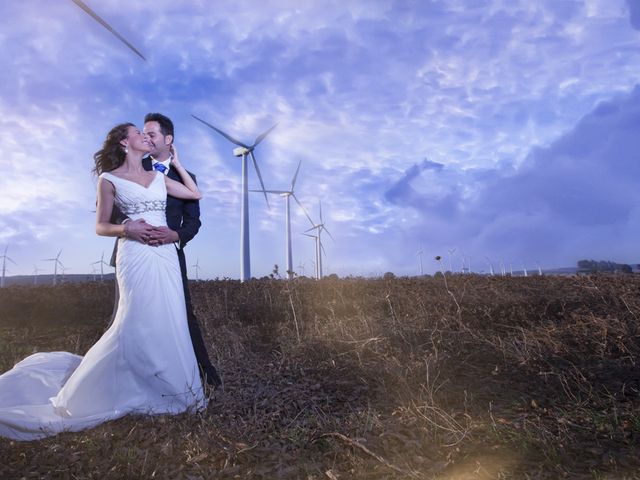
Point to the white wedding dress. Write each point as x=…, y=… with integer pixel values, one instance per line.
x=143, y=364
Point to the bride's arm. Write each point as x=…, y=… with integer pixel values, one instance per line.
x=106, y=196
x=187, y=190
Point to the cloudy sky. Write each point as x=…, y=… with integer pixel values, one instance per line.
x=507, y=130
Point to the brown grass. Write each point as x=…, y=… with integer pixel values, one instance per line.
x=483, y=378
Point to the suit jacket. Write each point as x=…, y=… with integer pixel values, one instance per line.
x=183, y=216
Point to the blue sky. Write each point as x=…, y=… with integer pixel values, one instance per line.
x=505, y=129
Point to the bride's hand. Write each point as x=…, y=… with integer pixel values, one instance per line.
x=175, y=161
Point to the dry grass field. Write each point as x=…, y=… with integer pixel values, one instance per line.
x=472, y=378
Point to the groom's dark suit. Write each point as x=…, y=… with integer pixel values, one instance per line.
x=183, y=216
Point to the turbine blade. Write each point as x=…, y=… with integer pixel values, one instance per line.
x=302, y=207
x=279, y=192
x=293, y=182
x=328, y=232
x=10, y=260
x=95, y=16
x=255, y=164
x=323, y=250
x=312, y=228
x=261, y=137
x=228, y=137
x=312, y=236
x=320, y=204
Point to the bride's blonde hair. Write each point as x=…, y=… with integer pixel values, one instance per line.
x=112, y=154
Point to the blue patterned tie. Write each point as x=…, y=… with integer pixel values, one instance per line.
x=160, y=167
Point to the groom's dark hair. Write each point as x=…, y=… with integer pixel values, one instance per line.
x=166, y=125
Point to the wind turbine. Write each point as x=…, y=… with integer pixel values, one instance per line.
x=35, y=274
x=242, y=151
x=4, y=265
x=98, y=19
x=524, y=267
x=318, y=261
x=451, y=252
x=419, y=255
x=64, y=270
x=102, y=263
x=301, y=268
x=197, y=267
x=319, y=247
x=539, y=268
x=286, y=194
x=93, y=271
x=490, y=266
x=56, y=261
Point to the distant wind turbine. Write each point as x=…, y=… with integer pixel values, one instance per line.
x=319, y=247
x=102, y=263
x=301, y=268
x=244, y=151
x=94, y=270
x=197, y=267
x=4, y=265
x=419, y=255
x=286, y=194
x=539, y=268
x=524, y=268
x=56, y=261
x=35, y=274
x=490, y=266
x=451, y=252
x=98, y=19
x=318, y=260
x=64, y=270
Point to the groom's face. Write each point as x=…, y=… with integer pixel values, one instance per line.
x=159, y=143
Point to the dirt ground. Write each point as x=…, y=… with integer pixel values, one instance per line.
x=457, y=377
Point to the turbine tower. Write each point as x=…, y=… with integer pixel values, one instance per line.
x=318, y=260
x=4, y=265
x=64, y=270
x=98, y=19
x=102, y=263
x=490, y=266
x=286, y=194
x=319, y=247
x=93, y=271
x=56, y=261
x=35, y=274
x=244, y=151
x=419, y=255
x=197, y=267
x=451, y=252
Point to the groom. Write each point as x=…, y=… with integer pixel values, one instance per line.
x=183, y=220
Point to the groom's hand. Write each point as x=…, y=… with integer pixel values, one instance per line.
x=138, y=230
x=162, y=235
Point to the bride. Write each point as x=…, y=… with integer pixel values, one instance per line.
x=145, y=362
